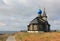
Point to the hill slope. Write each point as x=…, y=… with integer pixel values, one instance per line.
x=48, y=36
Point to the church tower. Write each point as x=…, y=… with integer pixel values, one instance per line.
x=44, y=15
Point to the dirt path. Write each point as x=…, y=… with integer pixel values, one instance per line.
x=11, y=38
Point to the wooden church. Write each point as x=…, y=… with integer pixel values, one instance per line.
x=39, y=23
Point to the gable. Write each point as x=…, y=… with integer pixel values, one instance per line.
x=37, y=21
x=34, y=21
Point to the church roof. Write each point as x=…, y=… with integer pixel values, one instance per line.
x=34, y=20
x=37, y=21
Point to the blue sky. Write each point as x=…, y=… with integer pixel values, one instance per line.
x=15, y=15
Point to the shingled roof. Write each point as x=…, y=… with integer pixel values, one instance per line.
x=37, y=21
x=34, y=21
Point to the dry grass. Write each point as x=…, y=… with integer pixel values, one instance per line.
x=48, y=36
x=3, y=37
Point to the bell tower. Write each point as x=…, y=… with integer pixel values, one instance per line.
x=44, y=15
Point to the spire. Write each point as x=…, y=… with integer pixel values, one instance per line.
x=44, y=13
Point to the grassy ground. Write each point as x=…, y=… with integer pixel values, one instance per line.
x=48, y=36
x=3, y=37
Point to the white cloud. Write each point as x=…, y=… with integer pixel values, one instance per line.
x=57, y=22
x=16, y=2
x=23, y=1
x=2, y=24
x=7, y=1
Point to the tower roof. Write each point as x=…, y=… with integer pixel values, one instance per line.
x=44, y=13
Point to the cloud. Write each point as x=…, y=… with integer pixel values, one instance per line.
x=2, y=24
x=8, y=2
x=57, y=22
x=2, y=3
